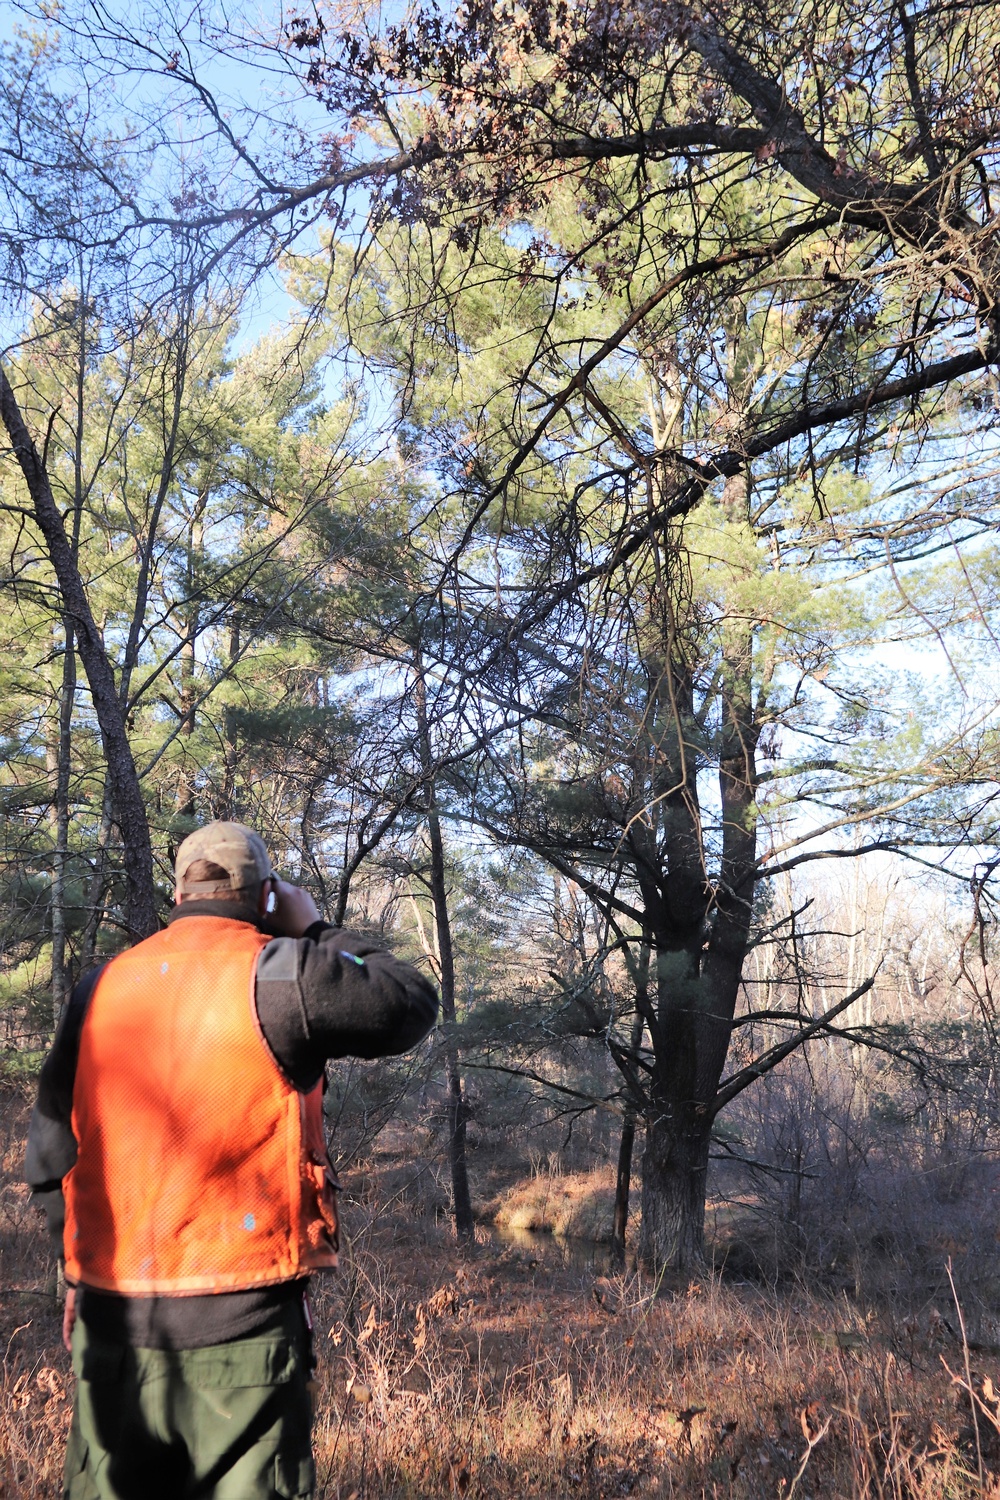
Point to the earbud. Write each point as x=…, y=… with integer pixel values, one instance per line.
x=272, y=902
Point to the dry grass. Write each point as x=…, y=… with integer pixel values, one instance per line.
x=508, y=1373
x=508, y=1376
x=578, y=1205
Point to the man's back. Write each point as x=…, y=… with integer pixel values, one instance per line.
x=200, y=1167
x=181, y=1109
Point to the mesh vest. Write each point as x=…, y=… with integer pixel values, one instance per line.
x=200, y=1168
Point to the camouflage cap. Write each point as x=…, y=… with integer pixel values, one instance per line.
x=238, y=850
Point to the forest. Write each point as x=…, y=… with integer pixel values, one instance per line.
x=537, y=464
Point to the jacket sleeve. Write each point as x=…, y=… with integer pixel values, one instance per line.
x=333, y=993
x=51, y=1147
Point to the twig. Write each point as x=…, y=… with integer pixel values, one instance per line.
x=812, y=1442
x=968, y=1373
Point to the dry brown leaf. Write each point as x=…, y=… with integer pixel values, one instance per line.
x=370, y=1327
x=358, y=1390
x=50, y=1381
x=21, y=1394
x=811, y=1420
x=443, y=1301
x=420, y=1336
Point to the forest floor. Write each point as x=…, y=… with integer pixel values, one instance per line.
x=525, y=1369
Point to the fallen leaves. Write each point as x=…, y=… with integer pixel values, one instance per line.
x=50, y=1382
x=443, y=1302
x=47, y=1380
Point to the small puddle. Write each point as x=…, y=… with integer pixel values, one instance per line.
x=556, y=1249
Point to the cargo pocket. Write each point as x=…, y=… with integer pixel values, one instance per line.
x=294, y=1477
x=244, y=1364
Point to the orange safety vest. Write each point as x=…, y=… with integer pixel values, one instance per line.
x=200, y=1168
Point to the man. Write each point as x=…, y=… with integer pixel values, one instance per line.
x=178, y=1132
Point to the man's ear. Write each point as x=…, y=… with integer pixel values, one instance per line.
x=178, y=898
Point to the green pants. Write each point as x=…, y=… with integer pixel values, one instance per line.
x=228, y=1422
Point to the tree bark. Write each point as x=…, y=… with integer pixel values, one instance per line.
x=457, y=1108
x=623, y=1181
x=226, y=808
x=184, y=801
x=701, y=929
x=691, y=1039
x=67, y=697
x=187, y=697
x=674, y=1172
x=97, y=885
x=140, y=900
x=67, y=692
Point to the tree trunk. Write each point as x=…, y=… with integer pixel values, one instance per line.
x=674, y=1171
x=457, y=1113
x=140, y=901
x=188, y=688
x=97, y=885
x=691, y=1031
x=185, y=780
x=67, y=692
x=457, y=1109
x=227, y=809
x=67, y=696
x=623, y=1182
x=701, y=929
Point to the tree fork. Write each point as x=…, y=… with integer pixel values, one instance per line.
x=140, y=902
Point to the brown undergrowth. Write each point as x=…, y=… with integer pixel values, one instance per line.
x=507, y=1372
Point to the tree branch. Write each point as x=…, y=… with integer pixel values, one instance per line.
x=141, y=911
x=729, y=1088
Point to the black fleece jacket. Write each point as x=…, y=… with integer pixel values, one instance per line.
x=313, y=1003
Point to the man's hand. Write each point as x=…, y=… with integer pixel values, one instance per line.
x=69, y=1316
x=294, y=910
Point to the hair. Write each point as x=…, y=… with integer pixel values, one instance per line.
x=204, y=870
